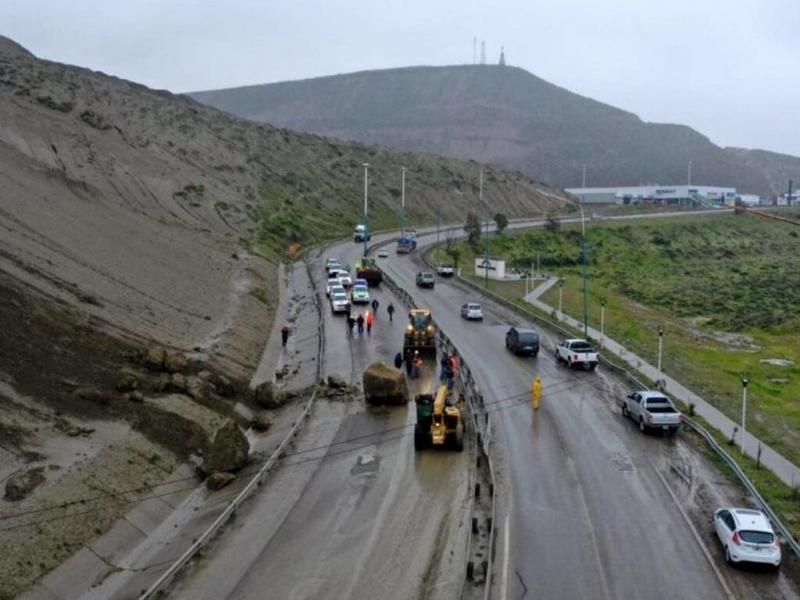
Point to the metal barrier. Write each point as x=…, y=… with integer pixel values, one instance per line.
x=257, y=480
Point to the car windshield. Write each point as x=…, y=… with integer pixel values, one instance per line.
x=427, y=275
x=419, y=321
x=360, y=289
x=474, y=306
x=528, y=337
x=756, y=537
x=340, y=297
x=582, y=347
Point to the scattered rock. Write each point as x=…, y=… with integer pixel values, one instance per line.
x=222, y=385
x=175, y=362
x=64, y=106
x=383, y=384
x=261, y=422
x=204, y=375
x=92, y=395
x=219, y=480
x=20, y=485
x=162, y=383
x=336, y=381
x=154, y=358
x=228, y=451
x=127, y=381
x=269, y=396
x=92, y=119
x=177, y=383
x=136, y=396
x=196, y=388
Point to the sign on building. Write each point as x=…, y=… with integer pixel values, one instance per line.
x=495, y=269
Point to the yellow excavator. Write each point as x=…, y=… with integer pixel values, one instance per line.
x=439, y=420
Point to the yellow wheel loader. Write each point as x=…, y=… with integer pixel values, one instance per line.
x=440, y=420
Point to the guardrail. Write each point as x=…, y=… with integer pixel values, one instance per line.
x=740, y=474
x=256, y=481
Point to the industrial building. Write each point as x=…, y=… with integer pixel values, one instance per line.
x=657, y=194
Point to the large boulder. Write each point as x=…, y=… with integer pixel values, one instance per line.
x=20, y=485
x=269, y=396
x=228, y=451
x=176, y=362
x=127, y=381
x=222, y=385
x=217, y=481
x=154, y=358
x=196, y=388
x=336, y=382
x=383, y=384
x=261, y=422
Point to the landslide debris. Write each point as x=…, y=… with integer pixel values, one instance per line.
x=229, y=450
x=383, y=384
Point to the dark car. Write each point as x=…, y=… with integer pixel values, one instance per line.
x=522, y=341
x=425, y=279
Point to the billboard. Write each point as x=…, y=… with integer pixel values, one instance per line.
x=496, y=269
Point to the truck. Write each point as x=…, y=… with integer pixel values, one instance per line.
x=576, y=352
x=445, y=270
x=407, y=242
x=439, y=420
x=420, y=333
x=360, y=233
x=652, y=410
x=368, y=269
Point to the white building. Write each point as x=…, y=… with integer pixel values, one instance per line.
x=656, y=194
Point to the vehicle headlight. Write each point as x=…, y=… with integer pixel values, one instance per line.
x=430, y=327
x=409, y=328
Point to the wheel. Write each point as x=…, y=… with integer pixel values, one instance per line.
x=535, y=354
x=558, y=357
x=728, y=556
x=672, y=431
x=569, y=362
x=592, y=366
x=624, y=410
x=642, y=426
x=458, y=440
x=420, y=438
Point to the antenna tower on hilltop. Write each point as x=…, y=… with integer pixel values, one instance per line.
x=502, y=57
x=483, y=52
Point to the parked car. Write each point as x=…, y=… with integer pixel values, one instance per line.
x=445, y=270
x=747, y=536
x=522, y=341
x=331, y=283
x=360, y=294
x=333, y=264
x=345, y=281
x=425, y=279
x=652, y=410
x=383, y=254
x=339, y=302
x=363, y=282
x=472, y=311
x=577, y=353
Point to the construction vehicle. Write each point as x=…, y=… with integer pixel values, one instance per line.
x=407, y=242
x=439, y=420
x=420, y=332
x=368, y=269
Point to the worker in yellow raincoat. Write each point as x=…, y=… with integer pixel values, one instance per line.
x=536, y=392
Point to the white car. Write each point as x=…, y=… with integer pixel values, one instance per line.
x=345, y=281
x=331, y=283
x=747, y=536
x=472, y=311
x=577, y=353
x=332, y=266
x=383, y=254
x=445, y=270
x=339, y=302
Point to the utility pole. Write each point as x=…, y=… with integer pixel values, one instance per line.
x=585, y=285
x=403, y=202
x=437, y=234
x=366, y=225
x=789, y=196
x=689, y=178
x=560, y=297
x=660, y=347
x=486, y=237
x=745, y=378
x=602, y=322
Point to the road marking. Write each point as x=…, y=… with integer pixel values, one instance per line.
x=696, y=536
x=506, y=544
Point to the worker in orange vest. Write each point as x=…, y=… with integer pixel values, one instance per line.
x=370, y=321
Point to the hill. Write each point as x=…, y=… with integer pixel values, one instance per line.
x=501, y=115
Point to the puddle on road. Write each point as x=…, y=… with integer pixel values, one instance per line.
x=366, y=465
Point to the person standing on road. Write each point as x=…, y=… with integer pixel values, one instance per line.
x=285, y=334
x=390, y=310
x=370, y=321
x=409, y=360
x=360, y=322
x=398, y=360
x=351, y=323
x=416, y=366
x=453, y=363
x=374, y=306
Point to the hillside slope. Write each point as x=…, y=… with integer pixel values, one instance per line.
x=501, y=115
x=139, y=205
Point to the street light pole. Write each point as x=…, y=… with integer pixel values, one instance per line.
x=403, y=202
x=366, y=226
x=486, y=235
x=745, y=378
x=560, y=297
x=585, y=286
x=689, y=178
x=602, y=322
x=660, y=346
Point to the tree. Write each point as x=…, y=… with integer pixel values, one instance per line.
x=502, y=222
x=473, y=229
x=552, y=223
x=453, y=251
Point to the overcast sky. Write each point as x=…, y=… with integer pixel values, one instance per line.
x=728, y=68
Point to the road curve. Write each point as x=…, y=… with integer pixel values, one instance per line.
x=587, y=515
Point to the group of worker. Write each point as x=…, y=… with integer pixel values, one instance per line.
x=367, y=318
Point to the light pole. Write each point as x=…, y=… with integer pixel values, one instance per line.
x=602, y=322
x=689, y=178
x=745, y=378
x=366, y=225
x=560, y=297
x=660, y=346
x=403, y=202
x=486, y=235
x=585, y=286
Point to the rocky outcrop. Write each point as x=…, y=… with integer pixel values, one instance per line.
x=20, y=485
x=383, y=384
x=228, y=451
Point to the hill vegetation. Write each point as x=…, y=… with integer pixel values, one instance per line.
x=504, y=116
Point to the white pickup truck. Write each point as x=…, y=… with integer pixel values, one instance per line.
x=652, y=410
x=577, y=353
x=445, y=270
